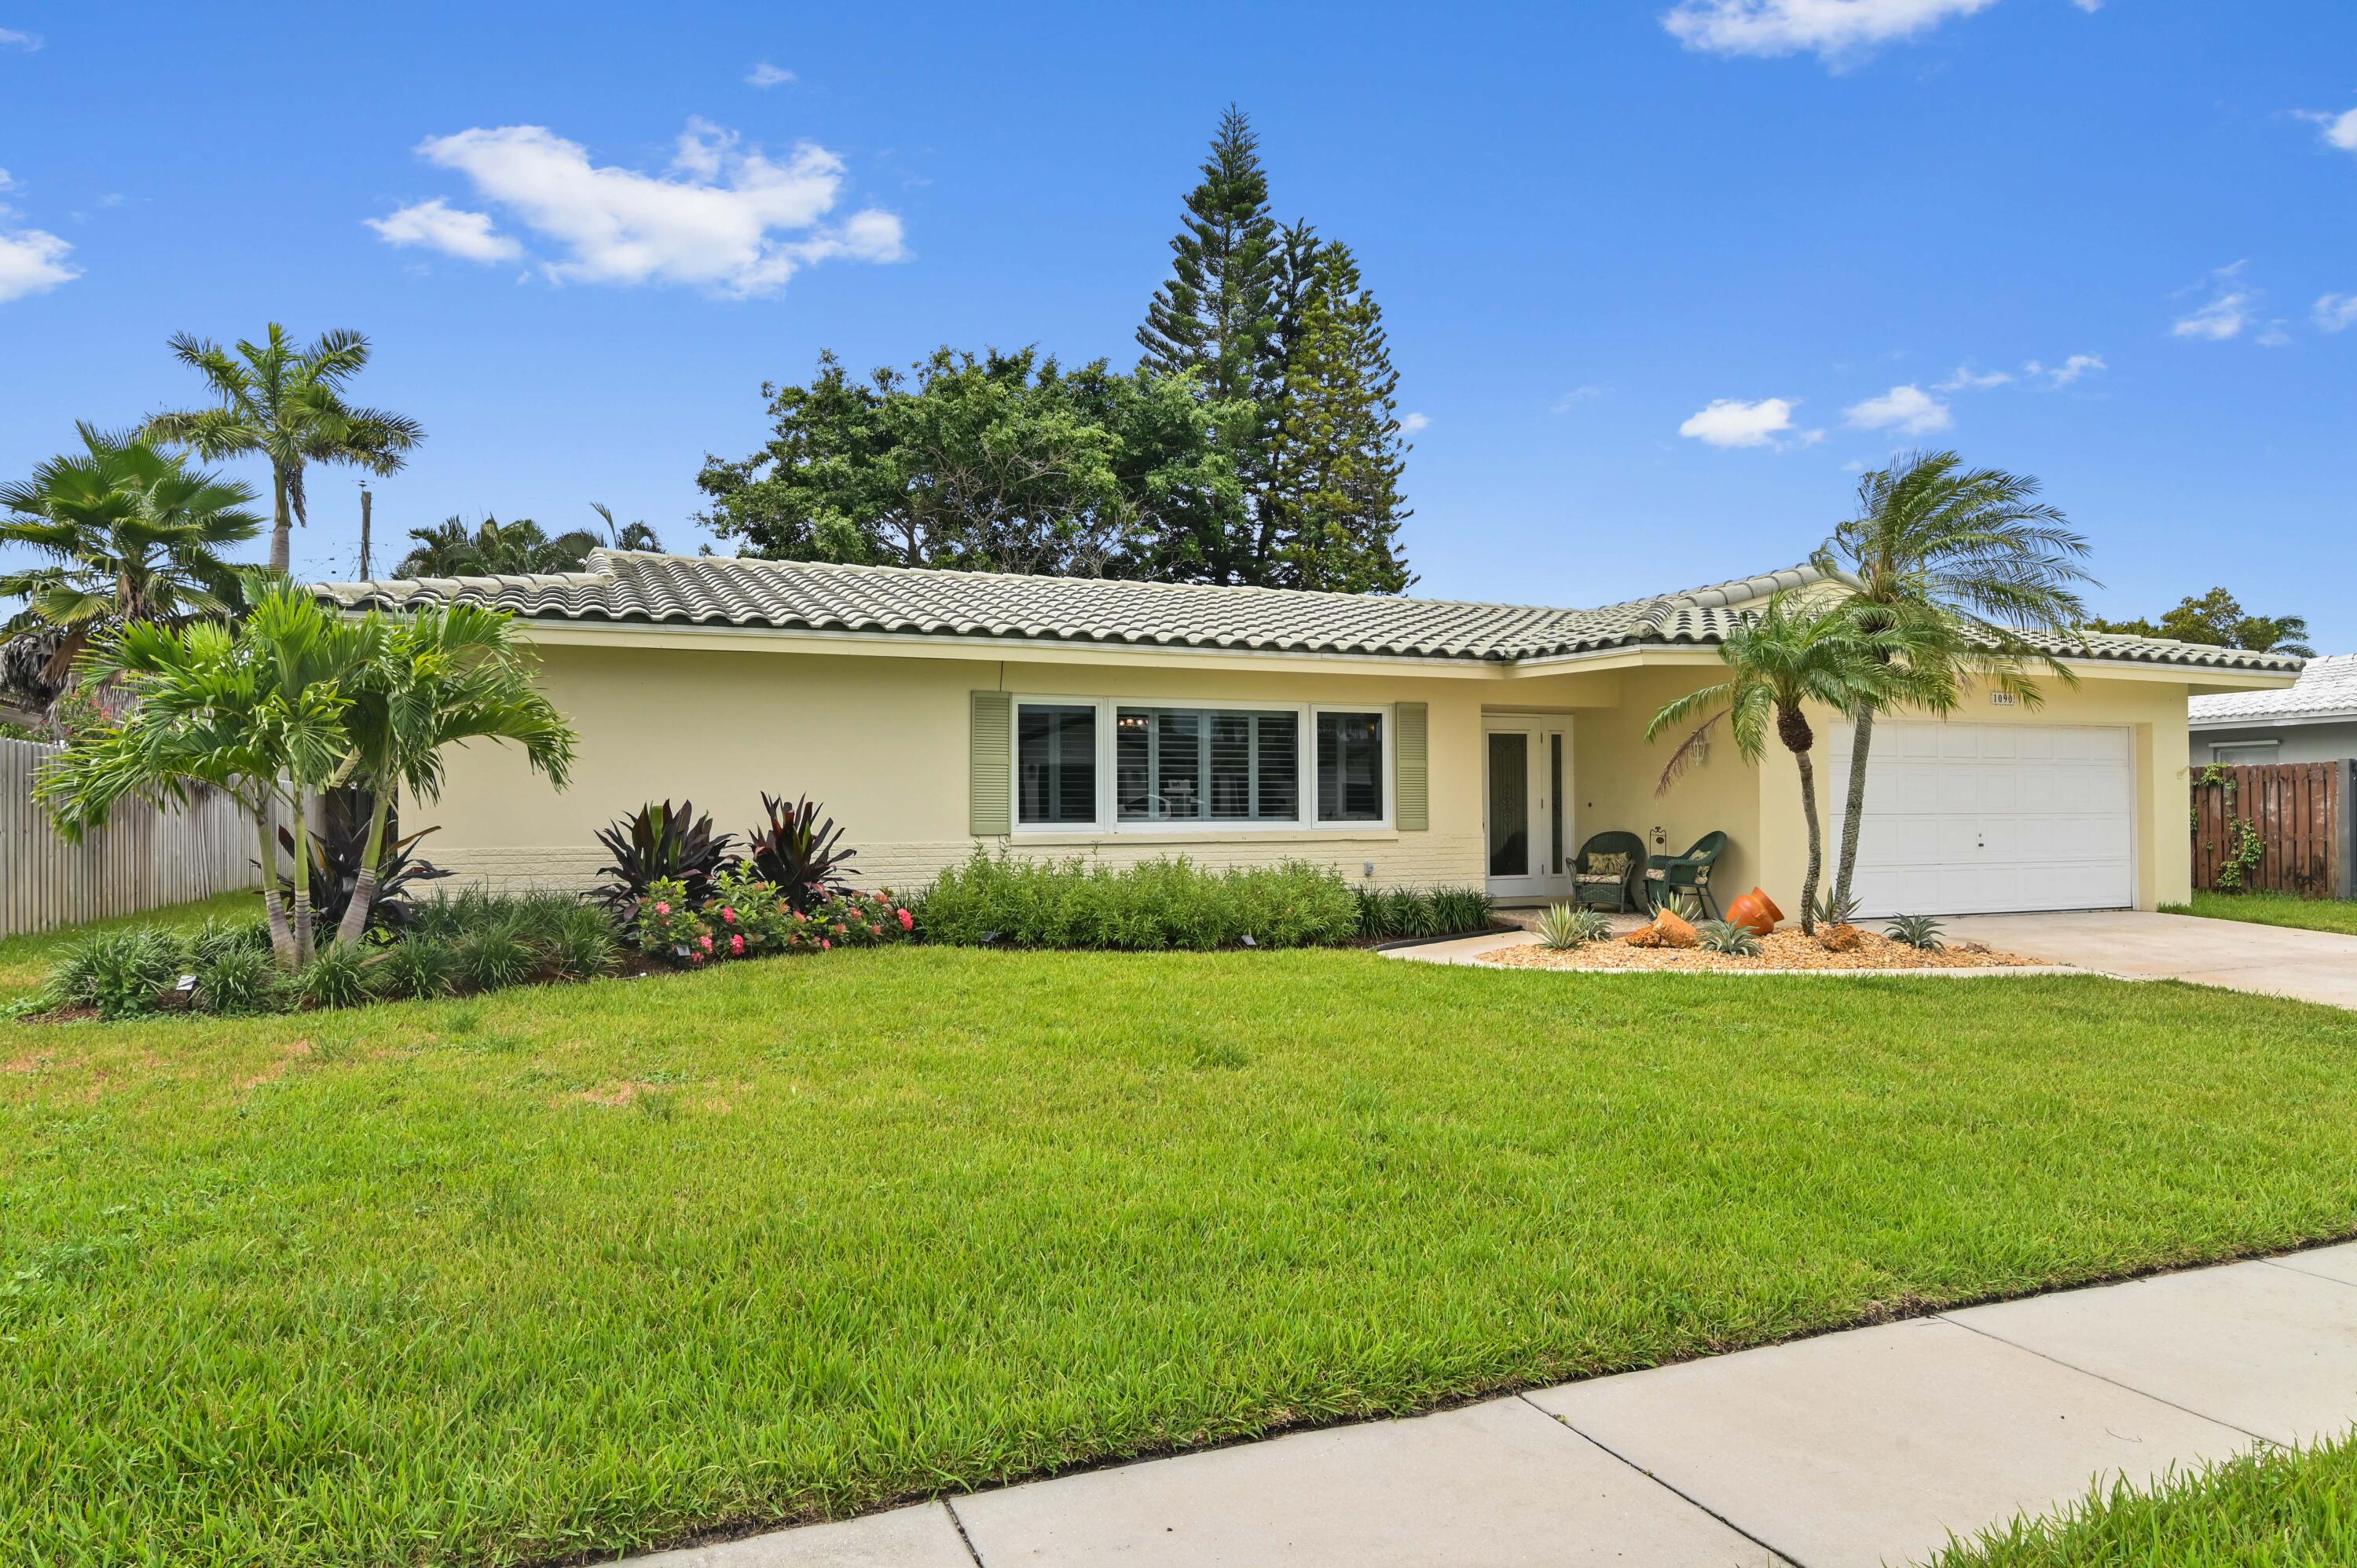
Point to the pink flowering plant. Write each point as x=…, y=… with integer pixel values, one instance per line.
x=747, y=913
x=670, y=927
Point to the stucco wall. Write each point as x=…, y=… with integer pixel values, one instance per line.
x=883, y=744
x=2298, y=743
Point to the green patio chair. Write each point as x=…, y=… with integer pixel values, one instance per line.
x=1598, y=881
x=1688, y=872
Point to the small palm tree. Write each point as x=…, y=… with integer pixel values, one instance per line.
x=285, y=402
x=440, y=677
x=495, y=549
x=1779, y=661
x=257, y=712
x=1956, y=565
x=132, y=534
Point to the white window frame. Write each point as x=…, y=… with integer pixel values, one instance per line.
x=1108, y=822
x=2268, y=749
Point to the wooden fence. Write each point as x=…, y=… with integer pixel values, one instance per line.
x=145, y=858
x=2297, y=813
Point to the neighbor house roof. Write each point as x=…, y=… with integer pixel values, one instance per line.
x=631, y=587
x=2327, y=689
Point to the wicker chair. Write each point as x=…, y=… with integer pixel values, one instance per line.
x=1688, y=873
x=1594, y=888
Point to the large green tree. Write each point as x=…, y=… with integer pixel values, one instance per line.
x=2217, y=620
x=1000, y=462
x=131, y=532
x=286, y=402
x=1960, y=563
x=1332, y=513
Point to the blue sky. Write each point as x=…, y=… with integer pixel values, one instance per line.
x=1659, y=274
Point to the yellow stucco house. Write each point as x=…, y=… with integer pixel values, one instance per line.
x=1404, y=741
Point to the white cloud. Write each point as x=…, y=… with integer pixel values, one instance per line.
x=2336, y=312
x=2069, y=371
x=6, y=179
x=32, y=261
x=2340, y=129
x=2089, y=6
x=767, y=75
x=2223, y=317
x=1907, y=408
x=29, y=42
x=1573, y=398
x=1966, y=378
x=1731, y=422
x=1412, y=423
x=438, y=226
x=722, y=215
x=1834, y=29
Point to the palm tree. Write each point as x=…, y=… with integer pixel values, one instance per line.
x=439, y=678
x=495, y=549
x=132, y=534
x=1936, y=545
x=257, y=711
x=627, y=535
x=286, y=403
x=1779, y=661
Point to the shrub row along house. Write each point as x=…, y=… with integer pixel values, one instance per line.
x=1405, y=741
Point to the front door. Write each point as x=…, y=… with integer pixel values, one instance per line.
x=1526, y=794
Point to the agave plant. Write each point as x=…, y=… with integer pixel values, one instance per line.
x=339, y=850
x=1564, y=928
x=1835, y=911
x=661, y=841
x=1727, y=937
x=798, y=853
x=1916, y=930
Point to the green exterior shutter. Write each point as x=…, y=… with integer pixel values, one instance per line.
x=991, y=812
x=1411, y=799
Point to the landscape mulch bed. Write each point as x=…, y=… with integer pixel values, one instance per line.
x=1780, y=950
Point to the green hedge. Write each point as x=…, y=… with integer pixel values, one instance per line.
x=1007, y=902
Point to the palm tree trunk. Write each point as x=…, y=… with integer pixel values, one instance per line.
x=282, y=529
x=281, y=935
x=356, y=914
x=1816, y=843
x=302, y=876
x=1860, y=739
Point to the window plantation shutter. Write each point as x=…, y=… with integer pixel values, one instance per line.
x=1410, y=797
x=991, y=812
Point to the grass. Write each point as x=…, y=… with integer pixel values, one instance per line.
x=2272, y=909
x=2273, y=1509
x=25, y=961
x=588, y=1268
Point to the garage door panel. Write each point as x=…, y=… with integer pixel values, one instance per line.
x=1963, y=819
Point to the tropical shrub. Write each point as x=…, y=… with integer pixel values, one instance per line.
x=337, y=976
x=416, y=966
x=497, y=954
x=220, y=937
x=119, y=973
x=1727, y=937
x=660, y=843
x=1460, y=909
x=670, y=926
x=236, y=980
x=798, y=855
x=1916, y=930
x=340, y=839
x=1169, y=903
x=1564, y=928
x=581, y=944
x=1412, y=912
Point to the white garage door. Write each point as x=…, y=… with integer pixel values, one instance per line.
x=1988, y=818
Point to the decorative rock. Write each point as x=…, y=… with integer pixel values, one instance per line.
x=1843, y=938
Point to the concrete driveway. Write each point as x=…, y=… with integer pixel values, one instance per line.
x=2315, y=966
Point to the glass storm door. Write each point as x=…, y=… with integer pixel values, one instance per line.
x=1527, y=783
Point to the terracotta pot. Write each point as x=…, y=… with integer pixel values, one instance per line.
x=1756, y=910
x=1668, y=931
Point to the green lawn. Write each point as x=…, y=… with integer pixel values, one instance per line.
x=2272, y=909
x=558, y=1271
x=2270, y=1509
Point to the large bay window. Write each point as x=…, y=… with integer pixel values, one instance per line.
x=1108, y=765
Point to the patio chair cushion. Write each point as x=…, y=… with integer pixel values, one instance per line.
x=1606, y=868
x=1602, y=878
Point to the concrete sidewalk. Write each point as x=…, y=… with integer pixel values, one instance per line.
x=2241, y=955
x=1845, y=1451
